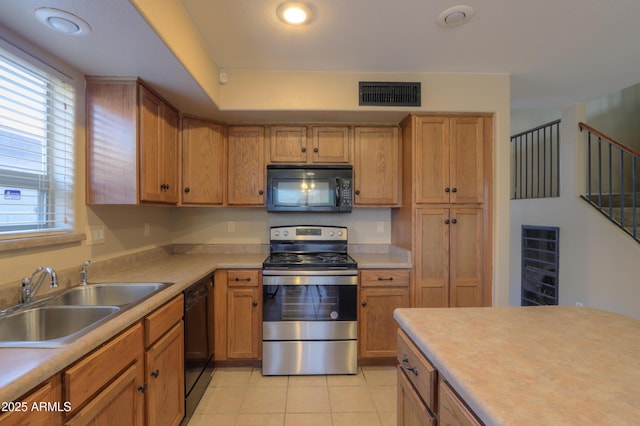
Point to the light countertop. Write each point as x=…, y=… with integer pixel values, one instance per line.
x=23, y=369
x=535, y=365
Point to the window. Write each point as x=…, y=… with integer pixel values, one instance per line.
x=36, y=148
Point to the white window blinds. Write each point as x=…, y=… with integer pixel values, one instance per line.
x=36, y=148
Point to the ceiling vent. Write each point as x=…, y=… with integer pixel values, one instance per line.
x=382, y=93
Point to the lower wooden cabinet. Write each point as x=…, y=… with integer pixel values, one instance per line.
x=381, y=291
x=238, y=315
x=21, y=412
x=452, y=411
x=412, y=411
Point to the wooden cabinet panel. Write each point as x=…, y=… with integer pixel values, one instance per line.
x=204, y=162
x=288, y=144
x=49, y=392
x=384, y=278
x=432, y=258
x=432, y=159
x=244, y=318
x=466, y=236
x=120, y=403
x=162, y=319
x=87, y=376
x=411, y=409
x=243, y=278
x=377, y=166
x=422, y=375
x=158, y=149
x=165, y=378
x=330, y=144
x=246, y=162
x=378, y=328
x=467, y=160
x=451, y=410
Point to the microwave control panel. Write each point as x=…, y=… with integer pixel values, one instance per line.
x=346, y=198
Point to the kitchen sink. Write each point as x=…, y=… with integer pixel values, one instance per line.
x=106, y=294
x=50, y=326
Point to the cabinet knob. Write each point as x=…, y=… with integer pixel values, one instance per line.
x=446, y=221
x=303, y=149
x=155, y=373
x=454, y=221
x=255, y=303
x=364, y=304
x=142, y=388
x=454, y=190
x=187, y=190
x=357, y=192
x=315, y=149
x=260, y=192
x=447, y=190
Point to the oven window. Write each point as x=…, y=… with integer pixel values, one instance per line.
x=310, y=302
x=302, y=192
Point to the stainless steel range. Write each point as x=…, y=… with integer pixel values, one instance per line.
x=309, y=303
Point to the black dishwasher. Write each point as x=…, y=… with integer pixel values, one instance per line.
x=198, y=342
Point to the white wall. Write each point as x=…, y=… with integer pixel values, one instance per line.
x=598, y=262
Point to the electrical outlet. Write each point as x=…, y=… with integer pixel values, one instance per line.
x=579, y=304
x=94, y=234
x=380, y=227
x=231, y=227
x=147, y=229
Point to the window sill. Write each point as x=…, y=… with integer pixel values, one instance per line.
x=32, y=242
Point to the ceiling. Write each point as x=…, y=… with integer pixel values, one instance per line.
x=556, y=52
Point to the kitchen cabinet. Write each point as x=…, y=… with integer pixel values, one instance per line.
x=309, y=144
x=376, y=166
x=380, y=292
x=411, y=409
x=451, y=152
x=288, y=144
x=164, y=364
x=238, y=315
x=132, y=144
x=246, y=162
x=21, y=412
x=445, y=216
x=204, y=163
x=330, y=144
x=452, y=409
x=449, y=267
x=108, y=385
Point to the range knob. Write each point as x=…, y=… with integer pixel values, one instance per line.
x=285, y=233
x=339, y=233
x=276, y=233
x=331, y=234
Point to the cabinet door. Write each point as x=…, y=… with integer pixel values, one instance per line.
x=288, y=144
x=376, y=166
x=432, y=258
x=120, y=403
x=432, y=159
x=204, y=165
x=378, y=329
x=467, y=160
x=158, y=149
x=246, y=166
x=451, y=410
x=165, y=378
x=411, y=410
x=244, y=319
x=49, y=392
x=466, y=236
x=330, y=145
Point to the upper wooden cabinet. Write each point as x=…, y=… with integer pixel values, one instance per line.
x=204, y=162
x=450, y=159
x=132, y=144
x=376, y=166
x=246, y=162
x=313, y=144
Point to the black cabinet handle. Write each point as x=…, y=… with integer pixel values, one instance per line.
x=364, y=304
x=385, y=279
x=187, y=190
x=304, y=149
x=243, y=279
x=406, y=366
x=454, y=221
x=142, y=388
x=260, y=192
x=255, y=303
x=454, y=190
x=446, y=221
x=315, y=149
x=357, y=192
x=155, y=373
x=447, y=190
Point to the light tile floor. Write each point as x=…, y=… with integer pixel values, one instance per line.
x=244, y=397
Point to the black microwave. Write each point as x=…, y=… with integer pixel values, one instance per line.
x=309, y=188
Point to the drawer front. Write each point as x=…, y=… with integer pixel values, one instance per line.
x=420, y=372
x=94, y=371
x=162, y=319
x=451, y=409
x=243, y=278
x=384, y=278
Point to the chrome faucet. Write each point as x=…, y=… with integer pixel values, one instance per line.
x=29, y=290
x=83, y=272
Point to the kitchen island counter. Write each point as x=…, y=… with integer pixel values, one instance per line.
x=534, y=365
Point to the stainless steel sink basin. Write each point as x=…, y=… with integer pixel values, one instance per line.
x=106, y=294
x=50, y=326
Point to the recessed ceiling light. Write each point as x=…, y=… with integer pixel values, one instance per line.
x=295, y=13
x=62, y=21
x=454, y=16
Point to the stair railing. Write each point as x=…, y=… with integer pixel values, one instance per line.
x=612, y=179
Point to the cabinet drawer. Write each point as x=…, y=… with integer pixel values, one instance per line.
x=411, y=409
x=451, y=409
x=419, y=370
x=243, y=278
x=162, y=319
x=94, y=371
x=384, y=278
